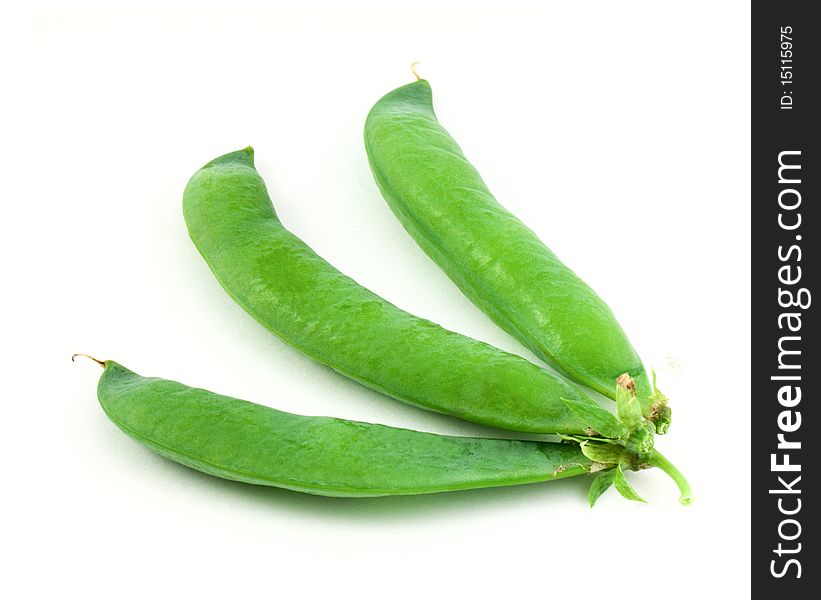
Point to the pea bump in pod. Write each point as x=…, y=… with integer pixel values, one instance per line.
x=499, y=263
x=246, y=442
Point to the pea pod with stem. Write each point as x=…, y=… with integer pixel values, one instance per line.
x=301, y=298
x=496, y=260
x=242, y=441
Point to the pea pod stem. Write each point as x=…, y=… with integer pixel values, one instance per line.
x=657, y=459
x=606, y=452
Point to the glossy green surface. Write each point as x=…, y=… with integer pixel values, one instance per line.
x=243, y=441
x=498, y=262
x=304, y=300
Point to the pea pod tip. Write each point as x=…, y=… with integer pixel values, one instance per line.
x=244, y=156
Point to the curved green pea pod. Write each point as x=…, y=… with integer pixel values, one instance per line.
x=305, y=301
x=242, y=441
x=500, y=264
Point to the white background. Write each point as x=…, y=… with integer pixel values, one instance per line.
x=618, y=131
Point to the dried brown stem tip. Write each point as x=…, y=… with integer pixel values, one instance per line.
x=413, y=70
x=626, y=382
x=99, y=362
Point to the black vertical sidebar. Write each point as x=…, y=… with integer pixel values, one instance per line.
x=785, y=332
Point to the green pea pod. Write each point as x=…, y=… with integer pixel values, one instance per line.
x=305, y=301
x=248, y=442
x=498, y=262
